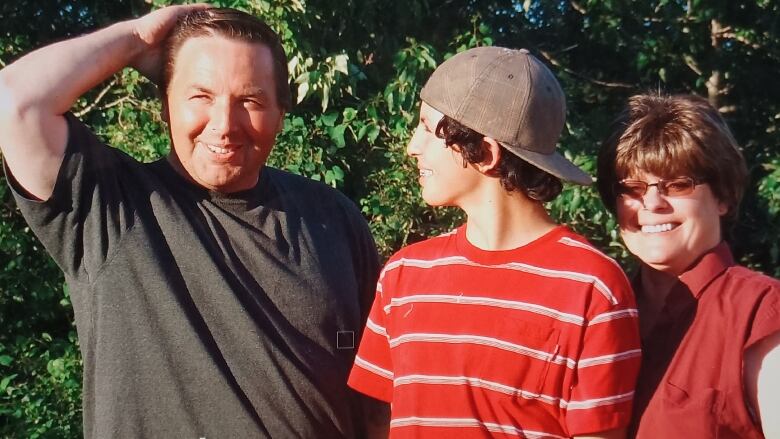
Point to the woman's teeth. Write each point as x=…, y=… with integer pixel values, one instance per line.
x=425, y=172
x=657, y=228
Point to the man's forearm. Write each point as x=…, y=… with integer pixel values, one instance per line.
x=39, y=88
x=52, y=78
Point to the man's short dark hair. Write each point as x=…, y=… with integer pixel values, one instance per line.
x=514, y=172
x=233, y=24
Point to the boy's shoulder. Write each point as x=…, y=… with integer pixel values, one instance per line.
x=570, y=251
x=435, y=247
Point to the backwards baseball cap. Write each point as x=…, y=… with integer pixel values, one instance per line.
x=510, y=96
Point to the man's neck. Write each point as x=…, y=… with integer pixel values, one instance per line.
x=506, y=220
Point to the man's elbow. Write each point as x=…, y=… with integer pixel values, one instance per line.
x=10, y=105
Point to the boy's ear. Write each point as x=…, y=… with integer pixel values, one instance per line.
x=492, y=155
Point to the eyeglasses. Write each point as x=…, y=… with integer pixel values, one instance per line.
x=673, y=187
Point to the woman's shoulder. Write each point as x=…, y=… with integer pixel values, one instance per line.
x=744, y=281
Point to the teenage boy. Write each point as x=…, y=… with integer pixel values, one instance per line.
x=510, y=325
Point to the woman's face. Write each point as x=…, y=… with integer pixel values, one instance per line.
x=669, y=232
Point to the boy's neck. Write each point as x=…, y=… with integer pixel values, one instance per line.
x=505, y=221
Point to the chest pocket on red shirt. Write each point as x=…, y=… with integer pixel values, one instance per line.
x=693, y=415
x=520, y=357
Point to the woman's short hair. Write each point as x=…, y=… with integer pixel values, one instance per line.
x=233, y=24
x=514, y=172
x=672, y=136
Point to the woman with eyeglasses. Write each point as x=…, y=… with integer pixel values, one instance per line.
x=672, y=173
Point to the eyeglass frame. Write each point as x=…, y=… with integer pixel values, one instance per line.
x=660, y=185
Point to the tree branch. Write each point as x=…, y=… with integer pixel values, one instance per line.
x=578, y=7
x=739, y=38
x=714, y=82
x=691, y=63
x=556, y=63
x=97, y=100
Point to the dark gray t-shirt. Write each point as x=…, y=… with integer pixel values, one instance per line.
x=201, y=314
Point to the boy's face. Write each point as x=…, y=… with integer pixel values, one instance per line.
x=444, y=179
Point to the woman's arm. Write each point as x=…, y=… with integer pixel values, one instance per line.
x=761, y=372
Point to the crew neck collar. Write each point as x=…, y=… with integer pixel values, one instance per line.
x=243, y=197
x=490, y=257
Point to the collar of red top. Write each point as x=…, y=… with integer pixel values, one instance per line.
x=709, y=267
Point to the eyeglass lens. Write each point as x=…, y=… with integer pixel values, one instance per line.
x=674, y=187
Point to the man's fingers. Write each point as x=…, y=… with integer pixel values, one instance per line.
x=153, y=27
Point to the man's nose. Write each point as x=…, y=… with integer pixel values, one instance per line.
x=223, y=117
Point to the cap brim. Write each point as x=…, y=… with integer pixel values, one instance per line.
x=555, y=164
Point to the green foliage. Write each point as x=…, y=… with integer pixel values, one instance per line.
x=40, y=388
x=356, y=69
x=40, y=369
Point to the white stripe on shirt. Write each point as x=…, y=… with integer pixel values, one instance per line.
x=574, y=243
x=484, y=341
x=509, y=390
x=614, y=315
x=485, y=301
x=469, y=422
x=597, y=402
x=612, y=358
x=597, y=283
x=376, y=328
x=371, y=367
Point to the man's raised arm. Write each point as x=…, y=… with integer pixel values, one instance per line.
x=37, y=89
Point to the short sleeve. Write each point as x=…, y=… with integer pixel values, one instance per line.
x=372, y=373
x=608, y=364
x=766, y=319
x=83, y=220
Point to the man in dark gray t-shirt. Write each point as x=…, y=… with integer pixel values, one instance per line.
x=213, y=296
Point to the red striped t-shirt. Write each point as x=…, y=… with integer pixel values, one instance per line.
x=538, y=341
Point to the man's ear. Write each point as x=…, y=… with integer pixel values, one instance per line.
x=492, y=155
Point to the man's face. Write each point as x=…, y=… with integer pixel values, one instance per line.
x=222, y=112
